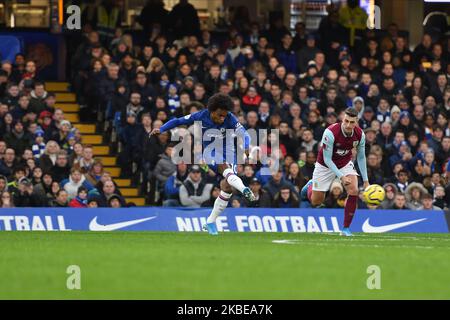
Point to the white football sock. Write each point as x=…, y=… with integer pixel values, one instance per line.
x=233, y=180
x=219, y=206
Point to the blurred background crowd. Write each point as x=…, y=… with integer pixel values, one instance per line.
x=297, y=81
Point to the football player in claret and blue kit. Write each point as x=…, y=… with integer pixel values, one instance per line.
x=215, y=120
x=335, y=160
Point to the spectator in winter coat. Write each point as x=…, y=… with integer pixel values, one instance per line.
x=114, y=201
x=44, y=188
x=38, y=95
x=127, y=137
x=173, y=184
x=251, y=100
x=307, y=53
x=61, y=169
x=145, y=89
x=22, y=108
x=80, y=201
x=38, y=147
x=76, y=180
x=276, y=182
x=374, y=171
x=133, y=106
x=48, y=159
x=18, y=138
x=414, y=194
x=8, y=163
x=61, y=200
x=427, y=203
x=286, y=55
x=87, y=160
x=109, y=189
x=285, y=198
x=399, y=202
x=25, y=195
x=165, y=166
x=194, y=190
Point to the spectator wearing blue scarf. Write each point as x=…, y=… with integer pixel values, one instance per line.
x=81, y=200
x=173, y=99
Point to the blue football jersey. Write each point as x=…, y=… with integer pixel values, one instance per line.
x=213, y=133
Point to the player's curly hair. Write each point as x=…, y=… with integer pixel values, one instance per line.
x=220, y=101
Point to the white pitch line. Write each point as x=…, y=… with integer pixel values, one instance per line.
x=324, y=243
x=383, y=236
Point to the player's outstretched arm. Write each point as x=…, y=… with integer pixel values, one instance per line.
x=173, y=123
x=361, y=158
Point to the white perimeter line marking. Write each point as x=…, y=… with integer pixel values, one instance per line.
x=384, y=237
x=326, y=243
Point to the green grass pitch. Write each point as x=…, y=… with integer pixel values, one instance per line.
x=166, y=265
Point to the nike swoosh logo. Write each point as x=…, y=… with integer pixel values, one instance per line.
x=372, y=229
x=95, y=226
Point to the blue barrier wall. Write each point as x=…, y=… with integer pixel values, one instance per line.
x=241, y=220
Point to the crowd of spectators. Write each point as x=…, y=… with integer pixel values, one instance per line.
x=298, y=83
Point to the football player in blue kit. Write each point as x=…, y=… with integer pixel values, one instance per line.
x=215, y=120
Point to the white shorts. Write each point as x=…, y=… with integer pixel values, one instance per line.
x=323, y=177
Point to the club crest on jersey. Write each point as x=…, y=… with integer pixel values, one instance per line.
x=341, y=152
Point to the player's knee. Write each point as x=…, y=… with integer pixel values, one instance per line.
x=352, y=191
x=317, y=199
x=227, y=172
x=225, y=186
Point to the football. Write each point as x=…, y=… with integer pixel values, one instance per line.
x=374, y=194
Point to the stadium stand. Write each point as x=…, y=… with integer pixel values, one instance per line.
x=123, y=86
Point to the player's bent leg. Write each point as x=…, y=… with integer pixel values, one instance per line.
x=321, y=182
x=350, y=204
x=236, y=182
x=304, y=191
x=317, y=198
x=219, y=206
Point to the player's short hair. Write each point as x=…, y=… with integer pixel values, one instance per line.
x=351, y=112
x=220, y=101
